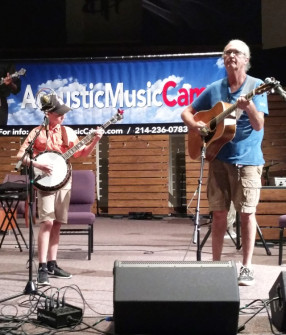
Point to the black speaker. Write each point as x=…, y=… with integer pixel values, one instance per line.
x=200, y=298
x=277, y=295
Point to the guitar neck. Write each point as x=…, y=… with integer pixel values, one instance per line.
x=233, y=107
x=114, y=119
x=80, y=144
x=14, y=75
x=87, y=139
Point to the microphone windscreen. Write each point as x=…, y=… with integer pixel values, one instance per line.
x=46, y=102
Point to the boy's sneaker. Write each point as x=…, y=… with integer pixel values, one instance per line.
x=57, y=272
x=245, y=277
x=43, y=278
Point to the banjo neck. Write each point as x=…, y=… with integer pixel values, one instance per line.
x=81, y=143
x=90, y=136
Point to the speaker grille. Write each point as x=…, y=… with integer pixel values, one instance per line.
x=188, y=264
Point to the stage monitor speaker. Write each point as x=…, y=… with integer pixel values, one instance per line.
x=200, y=298
x=278, y=304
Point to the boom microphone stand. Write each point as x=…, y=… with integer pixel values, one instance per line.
x=30, y=286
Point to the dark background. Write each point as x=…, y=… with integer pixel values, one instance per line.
x=48, y=29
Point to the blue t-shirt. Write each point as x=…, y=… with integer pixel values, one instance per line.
x=245, y=147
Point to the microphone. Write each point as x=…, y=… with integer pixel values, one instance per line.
x=277, y=88
x=18, y=165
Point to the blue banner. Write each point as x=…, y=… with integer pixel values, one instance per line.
x=152, y=92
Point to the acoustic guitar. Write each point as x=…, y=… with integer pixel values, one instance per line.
x=220, y=125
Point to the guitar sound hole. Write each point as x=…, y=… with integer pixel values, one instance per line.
x=213, y=124
x=209, y=137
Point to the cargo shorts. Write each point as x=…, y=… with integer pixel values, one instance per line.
x=54, y=205
x=230, y=182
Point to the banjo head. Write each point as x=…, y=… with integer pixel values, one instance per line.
x=59, y=176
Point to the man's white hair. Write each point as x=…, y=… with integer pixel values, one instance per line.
x=244, y=48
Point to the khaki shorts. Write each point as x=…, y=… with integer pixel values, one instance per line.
x=227, y=182
x=54, y=205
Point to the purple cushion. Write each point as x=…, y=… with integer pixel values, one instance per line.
x=282, y=221
x=80, y=218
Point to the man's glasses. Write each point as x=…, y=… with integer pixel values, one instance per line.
x=235, y=52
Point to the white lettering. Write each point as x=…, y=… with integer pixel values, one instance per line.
x=141, y=97
x=84, y=94
x=75, y=99
x=5, y=132
x=130, y=102
x=90, y=95
x=20, y=132
x=108, y=97
x=98, y=103
x=28, y=98
x=118, y=96
x=149, y=98
x=155, y=102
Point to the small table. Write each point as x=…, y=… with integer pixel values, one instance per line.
x=10, y=196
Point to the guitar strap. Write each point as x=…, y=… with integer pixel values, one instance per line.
x=248, y=86
x=65, y=136
x=68, y=135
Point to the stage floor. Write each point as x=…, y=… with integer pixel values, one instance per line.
x=168, y=239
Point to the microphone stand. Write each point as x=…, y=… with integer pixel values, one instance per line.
x=196, y=236
x=30, y=286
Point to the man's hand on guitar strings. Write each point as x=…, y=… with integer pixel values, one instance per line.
x=200, y=128
x=204, y=131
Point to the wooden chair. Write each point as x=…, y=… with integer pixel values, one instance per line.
x=82, y=199
x=282, y=225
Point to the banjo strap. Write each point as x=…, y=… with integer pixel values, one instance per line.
x=65, y=136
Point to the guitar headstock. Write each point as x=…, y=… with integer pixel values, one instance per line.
x=268, y=86
x=21, y=72
x=118, y=116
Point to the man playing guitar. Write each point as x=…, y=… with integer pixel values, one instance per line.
x=235, y=166
x=9, y=84
x=53, y=204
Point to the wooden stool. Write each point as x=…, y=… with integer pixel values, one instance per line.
x=9, y=202
x=3, y=224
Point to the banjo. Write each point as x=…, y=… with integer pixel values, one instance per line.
x=62, y=167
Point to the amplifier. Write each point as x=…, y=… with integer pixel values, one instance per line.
x=277, y=295
x=277, y=181
x=156, y=297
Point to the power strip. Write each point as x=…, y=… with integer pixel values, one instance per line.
x=59, y=317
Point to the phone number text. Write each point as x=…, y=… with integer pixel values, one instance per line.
x=161, y=130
